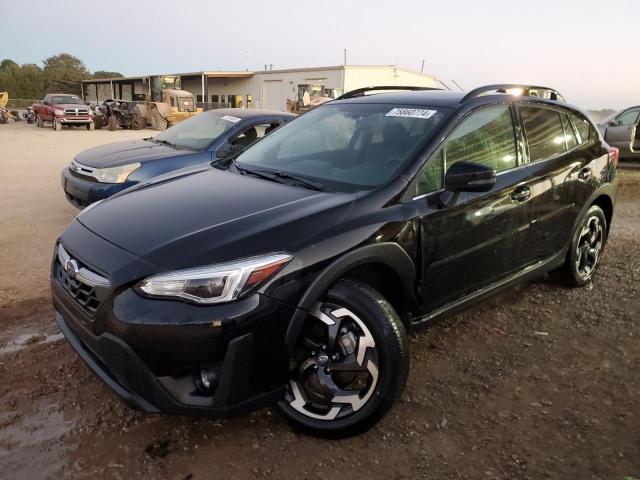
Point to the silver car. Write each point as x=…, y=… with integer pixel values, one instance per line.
x=622, y=130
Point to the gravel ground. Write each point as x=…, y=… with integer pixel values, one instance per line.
x=541, y=382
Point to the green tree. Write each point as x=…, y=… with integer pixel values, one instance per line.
x=106, y=74
x=64, y=72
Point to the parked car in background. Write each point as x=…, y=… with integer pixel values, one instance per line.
x=100, y=172
x=62, y=109
x=291, y=272
x=620, y=130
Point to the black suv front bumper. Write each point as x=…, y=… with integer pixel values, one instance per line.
x=118, y=366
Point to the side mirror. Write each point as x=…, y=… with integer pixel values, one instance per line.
x=229, y=149
x=44, y=102
x=469, y=177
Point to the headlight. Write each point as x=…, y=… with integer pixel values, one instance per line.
x=115, y=174
x=59, y=113
x=217, y=283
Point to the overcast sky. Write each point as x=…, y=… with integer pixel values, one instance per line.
x=589, y=51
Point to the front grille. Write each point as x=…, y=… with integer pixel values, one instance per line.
x=86, y=287
x=82, y=171
x=76, y=112
x=185, y=104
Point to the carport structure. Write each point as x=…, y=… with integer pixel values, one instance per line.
x=211, y=89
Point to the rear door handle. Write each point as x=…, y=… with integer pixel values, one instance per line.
x=521, y=194
x=585, y=174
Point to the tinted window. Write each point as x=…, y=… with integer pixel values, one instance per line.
x=485, y=137
x=346, y=146
x=629, y=117
x=544, y=131
x=583, y=126
x=432, y=177
x=569, y=133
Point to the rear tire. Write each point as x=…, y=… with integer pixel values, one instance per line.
x=587, y=244
x=350, y=364
x=112, y=123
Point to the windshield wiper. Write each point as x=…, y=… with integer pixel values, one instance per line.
x=280, y=177
x=311, y=184
x=165, y=142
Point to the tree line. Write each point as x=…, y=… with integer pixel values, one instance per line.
x=59, y=74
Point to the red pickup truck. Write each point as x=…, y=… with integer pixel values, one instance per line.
x=63, y=109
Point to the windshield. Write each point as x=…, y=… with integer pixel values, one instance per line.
x=70, y=99
x=198, y=132
x=347, y=147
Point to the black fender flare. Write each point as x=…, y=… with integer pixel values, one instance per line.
x=608, y=190
x=389, y=254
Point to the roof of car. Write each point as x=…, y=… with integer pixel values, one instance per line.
x=251, y=113
x=428, y=98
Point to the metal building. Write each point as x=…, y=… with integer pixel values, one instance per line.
x=267, y=89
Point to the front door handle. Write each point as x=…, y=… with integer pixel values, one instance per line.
x=585, y=174
x=521, y=194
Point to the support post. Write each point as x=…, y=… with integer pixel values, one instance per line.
x=204, y=98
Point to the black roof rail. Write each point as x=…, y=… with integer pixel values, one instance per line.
x=360, y=92
x=527, y=91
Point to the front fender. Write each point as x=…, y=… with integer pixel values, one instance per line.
x=389, y=254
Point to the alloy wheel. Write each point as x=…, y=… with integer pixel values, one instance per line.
x=589, y=247
x=335, y=367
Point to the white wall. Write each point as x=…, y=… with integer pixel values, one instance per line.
x=289, y=81
x=359, y=77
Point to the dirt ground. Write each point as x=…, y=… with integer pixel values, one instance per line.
x=541, y=382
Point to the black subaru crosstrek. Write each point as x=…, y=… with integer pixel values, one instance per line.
x=291, y=272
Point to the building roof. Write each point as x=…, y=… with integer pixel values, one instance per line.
x=249, y=74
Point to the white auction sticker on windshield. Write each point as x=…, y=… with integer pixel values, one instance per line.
x=411, y=113
x=231, y=118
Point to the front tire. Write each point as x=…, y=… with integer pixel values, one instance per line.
x=57, y=126
x=585, y=251
x=350, y=364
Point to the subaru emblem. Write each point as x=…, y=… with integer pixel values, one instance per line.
x=71, y=267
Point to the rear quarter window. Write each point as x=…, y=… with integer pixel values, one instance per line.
x=583, y=127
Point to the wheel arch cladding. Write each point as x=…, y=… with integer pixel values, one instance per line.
x=371, y=264
x=606, y=204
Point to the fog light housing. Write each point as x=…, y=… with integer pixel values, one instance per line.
x=205, y=380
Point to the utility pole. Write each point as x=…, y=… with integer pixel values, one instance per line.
x=345, y=56
x=422, y=67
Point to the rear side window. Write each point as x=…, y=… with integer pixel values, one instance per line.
x=569, y=133
x=545, y=135
x=584, y=128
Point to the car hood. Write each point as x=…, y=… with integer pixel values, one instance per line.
x=121, y=153
x=212, y=216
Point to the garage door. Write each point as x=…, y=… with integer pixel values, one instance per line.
x=272, y=93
